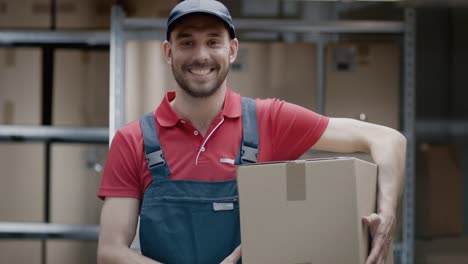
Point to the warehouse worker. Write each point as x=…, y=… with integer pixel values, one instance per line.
x=173, y=165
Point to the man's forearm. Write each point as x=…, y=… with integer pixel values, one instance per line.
x=122, y=255
x=389, y=152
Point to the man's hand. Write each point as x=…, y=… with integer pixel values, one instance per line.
x=381, y=228
x=234, y=257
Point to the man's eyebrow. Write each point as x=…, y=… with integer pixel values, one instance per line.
x=214, y=34
x=183, y=35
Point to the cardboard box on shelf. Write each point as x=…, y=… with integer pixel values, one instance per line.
x=81, y=88
x=148, y=77
x=81, y=99
x=363, y=82
x=439, y=192
x=250, y=71
x=74, y=185
x=83, y=14
x=25, y=14
x=20, y=98
x=20, y=251
x=149, y=8
x=306, y=211
x=442, y=251
x=292, y=74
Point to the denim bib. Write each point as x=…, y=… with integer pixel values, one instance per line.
x=186, y=221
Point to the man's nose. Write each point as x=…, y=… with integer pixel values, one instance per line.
x=202, y=53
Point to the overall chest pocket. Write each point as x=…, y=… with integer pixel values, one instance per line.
x=176, y=230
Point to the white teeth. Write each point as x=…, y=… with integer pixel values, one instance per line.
x=200, y=71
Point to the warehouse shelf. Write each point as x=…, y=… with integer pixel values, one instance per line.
x=441, y=129
x=92, y=38
x=124, y=29
x=24, y=230
x=54, y=134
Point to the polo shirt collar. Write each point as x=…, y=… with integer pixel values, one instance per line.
x=167, y=117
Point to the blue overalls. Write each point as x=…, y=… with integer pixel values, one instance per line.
x=186, y=221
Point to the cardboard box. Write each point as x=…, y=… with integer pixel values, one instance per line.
x=306, y=211
x=83, y=14
x=73, y=198
x=20, y=251
x=148, y=77
x=25, y=14
x=292, y=74
x=149, y=8
x=249, y=74
x=71, y=251
x=363, y=82
x=81, y=99
x=442, y=251
x=20, y=97
x=81, y=88
x=439, y=192
x=22, y=196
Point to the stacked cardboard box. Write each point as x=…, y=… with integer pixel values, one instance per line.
x=81, y=99
x=148, y=77
x=22, y=173
x=442, y=251
x=439, y=192
x=34, y=14
x=363, y=82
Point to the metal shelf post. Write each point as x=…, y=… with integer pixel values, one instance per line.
x=117, y=72
x=407, y=256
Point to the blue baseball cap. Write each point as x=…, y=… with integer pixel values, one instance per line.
x=208, y=7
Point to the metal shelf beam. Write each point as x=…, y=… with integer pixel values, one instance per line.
x=54, y=134
x=92, y=38
x=284, y=25
x=441, y=129
x=44, y=230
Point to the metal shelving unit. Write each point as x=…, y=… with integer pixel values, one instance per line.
x=124, y=29
x=50, y=134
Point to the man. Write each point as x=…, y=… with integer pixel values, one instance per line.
x=173, y=165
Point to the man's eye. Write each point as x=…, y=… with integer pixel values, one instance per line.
x=214, y=42
x=186, y=43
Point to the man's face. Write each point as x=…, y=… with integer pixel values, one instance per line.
x=200, y=52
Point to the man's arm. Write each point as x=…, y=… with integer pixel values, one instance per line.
x=119, y=217
x=388, y=149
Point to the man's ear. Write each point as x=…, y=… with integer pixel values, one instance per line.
x=167, y=51
x=233, y=48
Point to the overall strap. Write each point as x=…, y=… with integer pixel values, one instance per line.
x=249, y=148
x=154, y=155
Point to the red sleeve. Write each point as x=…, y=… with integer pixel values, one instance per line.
x=287, y=130
x=121, y=177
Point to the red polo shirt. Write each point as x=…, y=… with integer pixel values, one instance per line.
x=286, y=131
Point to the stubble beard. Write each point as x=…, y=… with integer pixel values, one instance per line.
x=190, y=88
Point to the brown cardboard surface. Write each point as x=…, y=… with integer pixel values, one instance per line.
x=442, y=251
x=249, y=74
x=66, y=251
x=20, y=251
x=24, y=14
x=326, y=227
x=363, y=82
x=20, y=97
x=81, y=88
x=148, y=77
x=22, y=181
x=81, y=99
x=439, y=193
x=149, y=8
x=83, y=14
x=292, y=73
